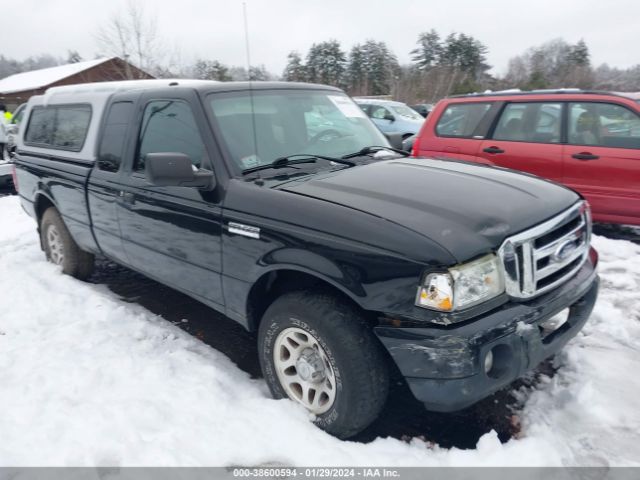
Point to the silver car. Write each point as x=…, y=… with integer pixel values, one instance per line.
x=392, y=117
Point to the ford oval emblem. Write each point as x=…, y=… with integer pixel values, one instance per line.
x=564, y=251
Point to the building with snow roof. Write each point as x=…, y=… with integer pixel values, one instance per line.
x=18, y=88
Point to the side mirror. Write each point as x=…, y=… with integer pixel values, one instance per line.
x=395, y=140
x=390, y=117
x=168, y=169
x=12, y=129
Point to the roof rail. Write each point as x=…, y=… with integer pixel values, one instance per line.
x=554, y=91
x=113, y=86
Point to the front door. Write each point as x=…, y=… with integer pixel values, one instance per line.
x=602, y=159
x=527, y=137
x=173, y=234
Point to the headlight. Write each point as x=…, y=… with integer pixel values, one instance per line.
x=463, y=286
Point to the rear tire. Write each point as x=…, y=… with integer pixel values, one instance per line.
x=338, y=371
x=61, y=249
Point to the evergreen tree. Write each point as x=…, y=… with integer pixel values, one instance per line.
x=536, y=81
x=211, y=70
x=371, y=69
x=465, y=53
x=428, y=51
x=259, y=74
x=326, y=63
x=381, y=67
x=73, y=56
x=579, y=54
x=356, y=73
x=554, y=64
x=295, y=71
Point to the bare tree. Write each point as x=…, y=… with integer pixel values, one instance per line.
x=131, y=34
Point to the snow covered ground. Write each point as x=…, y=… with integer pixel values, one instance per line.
x=86, y=379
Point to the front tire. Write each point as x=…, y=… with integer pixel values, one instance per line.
x=61, y=249
x=319, y=351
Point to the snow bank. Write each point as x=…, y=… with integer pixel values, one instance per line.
x=86, y=379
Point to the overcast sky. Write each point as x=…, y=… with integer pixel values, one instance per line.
x=213, y=29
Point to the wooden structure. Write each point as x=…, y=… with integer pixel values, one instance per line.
x=18, y=88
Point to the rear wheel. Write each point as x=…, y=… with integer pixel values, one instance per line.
x=61, y=249
x=319, y=351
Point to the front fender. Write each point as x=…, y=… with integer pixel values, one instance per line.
x=346, y=278
x=375, y=280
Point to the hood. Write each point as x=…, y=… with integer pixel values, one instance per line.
x=467, y=208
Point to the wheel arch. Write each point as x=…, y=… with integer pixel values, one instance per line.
x=41, y=202
x=279, y=280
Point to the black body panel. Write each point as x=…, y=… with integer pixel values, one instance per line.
x=469, y=209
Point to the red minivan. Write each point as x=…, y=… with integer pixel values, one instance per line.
x=589, y=141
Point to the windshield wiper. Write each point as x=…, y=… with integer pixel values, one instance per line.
x=373, y=149
x=289, y=160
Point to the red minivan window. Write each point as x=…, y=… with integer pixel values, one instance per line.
x=461, y=119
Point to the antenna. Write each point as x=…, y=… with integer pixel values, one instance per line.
x=246, y=39
x=253, y=113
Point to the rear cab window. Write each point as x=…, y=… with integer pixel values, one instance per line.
x=62, y=127
x=114, y=136
x=461, y=119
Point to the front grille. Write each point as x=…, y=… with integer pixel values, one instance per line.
x=545, y=256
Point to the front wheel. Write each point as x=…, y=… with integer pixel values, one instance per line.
x=319, y=351
x=61, y=249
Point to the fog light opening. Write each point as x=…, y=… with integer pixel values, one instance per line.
x=488, y=361
x=497, y=361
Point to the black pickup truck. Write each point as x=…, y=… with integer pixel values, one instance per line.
x=281, y=206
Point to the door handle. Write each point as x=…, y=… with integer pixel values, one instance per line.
x=585, y=156
x=127, y=197
x=493, y=150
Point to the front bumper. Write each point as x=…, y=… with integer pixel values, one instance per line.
x=444, y=367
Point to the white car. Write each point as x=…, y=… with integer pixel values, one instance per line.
x=6, y=168
x=10, y=131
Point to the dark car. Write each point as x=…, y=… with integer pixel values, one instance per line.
x=423, y=109
x=282, y=206
x=407, y=143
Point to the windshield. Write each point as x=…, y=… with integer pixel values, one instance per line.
x=407, y=112
x=292, y=122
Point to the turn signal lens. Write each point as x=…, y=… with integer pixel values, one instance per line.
x=437, y=292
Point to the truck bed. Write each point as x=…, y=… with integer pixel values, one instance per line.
x=48, y=180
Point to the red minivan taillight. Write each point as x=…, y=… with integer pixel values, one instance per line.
x=14, y=176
